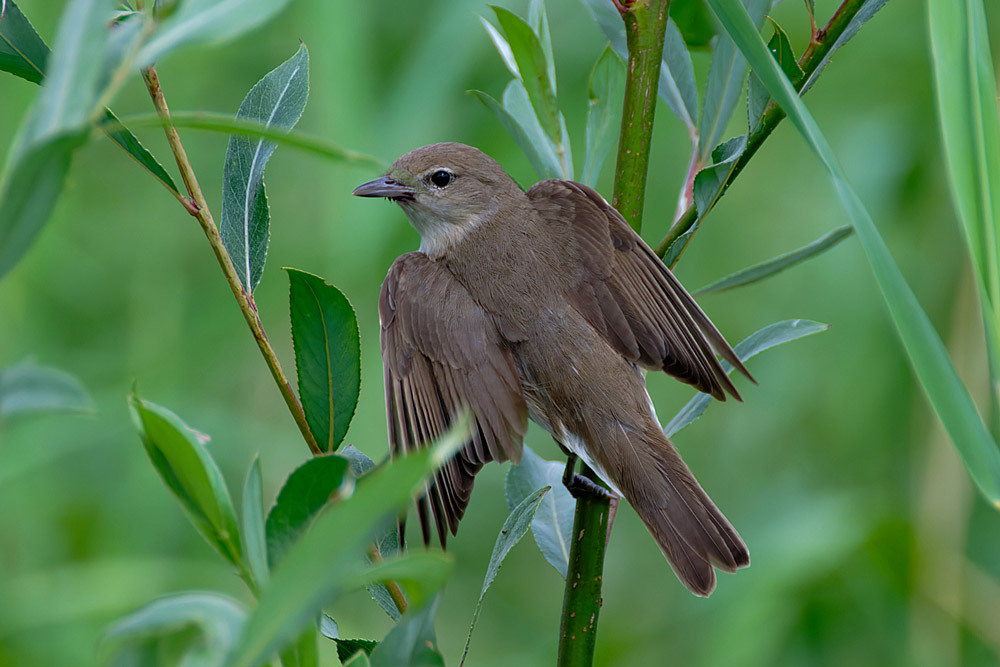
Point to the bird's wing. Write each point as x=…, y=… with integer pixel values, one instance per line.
x=626, y=293
x=442, y=355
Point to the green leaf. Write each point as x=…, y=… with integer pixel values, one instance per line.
x=325, y=561
x=128, y=142
x=725, y=79
x=327, y=356
x=277, y=100
x=186, y=467
x=306, y=491
x=967, y=108
x=763, y=339
x=673, y=252
x=206, y=623
x=532, y=140
x=767, y=269
x=927, y=353
x=695, y=22
x=553, y=523
x=710, y=182
x=360, y=659
x=757, y=97
x=29, y=388
x=422, y=573
x=360, y=463
x=412, y=643
x=229, y=124
x=207, y=22
x=514, y=528
x=55, y=127
x=22, y=51
x=532, y=70
x=605, y=90
x=539, y=22
x=254, y=536
x=302, y=651
x=346, y=648
x=328, y=627
x=866, y=12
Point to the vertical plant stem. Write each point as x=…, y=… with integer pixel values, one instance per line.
x=197, y=206
x=582, y=597
x=645, y=26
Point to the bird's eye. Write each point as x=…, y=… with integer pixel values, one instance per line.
x=441, y=178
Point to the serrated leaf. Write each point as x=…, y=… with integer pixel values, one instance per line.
x=673, y=252
x=771, y=267
x=210, y=622
x=533, y=70
x=327, y=356
x=128, y=142
x=514, y=528
x=605, y=90
x=757, y=97
x=412, y=643
x=927, y=354
x=207, y=22
x=306, y=491
x=277, y=100
x=22, y=51
x=710, y=181
x=552, y=526
x=763, y=339
x=862, y=16
x=328, y=627
x=190, y=473
x=29, y=388
x=320, y=565
x=254, y=535
x=725, y=80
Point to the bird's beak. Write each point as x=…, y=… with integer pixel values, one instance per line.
x=385, y=187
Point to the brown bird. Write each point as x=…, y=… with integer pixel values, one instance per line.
x=544, y=304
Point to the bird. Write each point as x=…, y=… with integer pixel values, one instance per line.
x=543, y=304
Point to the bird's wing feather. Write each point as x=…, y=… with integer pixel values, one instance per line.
x=441, y=355
x=626, y=293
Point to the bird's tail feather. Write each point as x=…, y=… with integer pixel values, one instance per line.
x=689, y=529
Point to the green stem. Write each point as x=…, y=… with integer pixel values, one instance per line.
x=811, y=58
x=582, y=596
x=645, y=25
x=198, y=207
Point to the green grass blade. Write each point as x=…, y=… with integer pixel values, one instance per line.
x=778, y=264
x=928, y=356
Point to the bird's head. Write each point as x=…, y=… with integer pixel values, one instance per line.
x=445, y=190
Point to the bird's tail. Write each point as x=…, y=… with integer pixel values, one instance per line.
x=689, y=529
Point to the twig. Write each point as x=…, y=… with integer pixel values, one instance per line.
x=197, y=206
x=811, y=58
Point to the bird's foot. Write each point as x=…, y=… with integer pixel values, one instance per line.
x=584, y=487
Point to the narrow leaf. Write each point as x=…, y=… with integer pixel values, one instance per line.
x=29, y=388
x=863, y=15
x=320, y=565
x=757, y=97
x=604, y=96
x=346, y=648
x=412, y=643
x=764, y=339
x=710, y=182
x=277, y=100
x=725, y=79
x=944, y=389
x=539, y=22
x=533, y=69
x=553, y=522
x=327, y=356
x=769, y=268
x=306, y=491
x=422, y=573
x=514, y=528
x=207, y=22
x=22, y=51
x=209, y=622
x=121, y=135
x=189, y=472
x=540, y=154
x=254, y=536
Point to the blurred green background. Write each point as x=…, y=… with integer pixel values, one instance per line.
x=868, y=545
